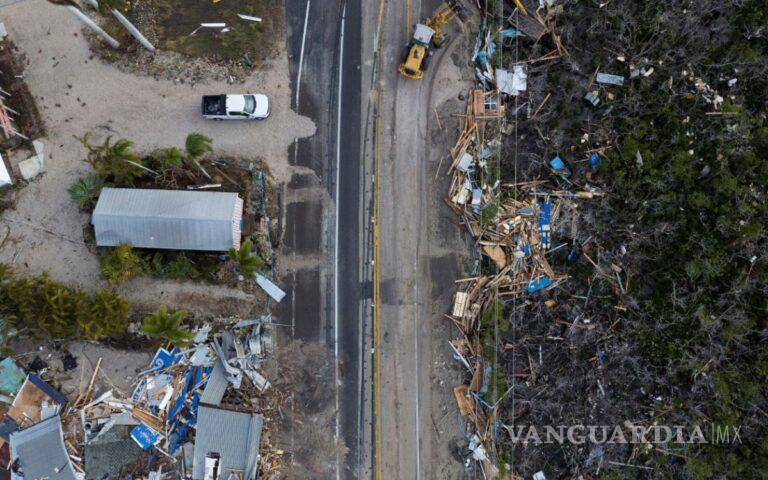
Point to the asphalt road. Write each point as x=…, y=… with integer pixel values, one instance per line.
x=363, y=109
x=326, y=274
x=416, y=269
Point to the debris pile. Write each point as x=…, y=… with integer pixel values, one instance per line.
x=512, y=226
x=172, y=424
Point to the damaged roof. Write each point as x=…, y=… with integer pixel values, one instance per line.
x=235, y=436
x=41, y=452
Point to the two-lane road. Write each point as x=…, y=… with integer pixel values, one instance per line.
x=326, y=269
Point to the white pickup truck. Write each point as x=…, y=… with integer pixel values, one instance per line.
x=236, y=107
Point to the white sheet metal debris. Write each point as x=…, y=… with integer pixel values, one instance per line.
x=607, y=78
x=249, y=17
x=514, y=83
x=208, y=25
x=272, y=290
x=5, y=176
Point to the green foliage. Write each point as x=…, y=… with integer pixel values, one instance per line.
x=113, y=160
x=85, y=191
x=198, y=145
x=489, y=213
x=121, y=264
x=249, y=263
x=178, y=267
x=166, y=326
x=167, y=158
x=49, y=308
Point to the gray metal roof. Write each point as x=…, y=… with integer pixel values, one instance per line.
x=168, y=219
x=216, y=385
x=235, y=436
x=41, y=451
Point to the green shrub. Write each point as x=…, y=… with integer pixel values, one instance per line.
x=248, y=263
x=121, y=264
x=166, y=326
x=85, y=191
x=49, y=308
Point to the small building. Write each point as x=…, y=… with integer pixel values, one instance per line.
x=41, y=453
x=232, y=438
x=168, y=219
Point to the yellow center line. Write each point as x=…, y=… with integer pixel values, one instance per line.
x=408, y=19
x=378, y=444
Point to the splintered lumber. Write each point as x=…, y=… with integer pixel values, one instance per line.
x=531, y=27
x=460, y=304
x=497, y=255
x=462, y=399
x=147, y=418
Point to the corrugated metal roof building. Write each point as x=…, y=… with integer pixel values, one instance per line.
x=168, y=219
x=235, y=436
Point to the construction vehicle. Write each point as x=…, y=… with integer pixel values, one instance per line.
x=443, y=15
x=427, y=36
x=417, y=53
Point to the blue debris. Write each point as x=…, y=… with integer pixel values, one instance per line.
x=599, y=356
x=164, y=358
x=482, y=58
x=509, y=33
x=560, y=167
x=540, y=284
x=145, y=436
x=572, y=255
x=545, y=213
x=594, y=160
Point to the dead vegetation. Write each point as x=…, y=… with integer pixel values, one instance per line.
x=661, y=318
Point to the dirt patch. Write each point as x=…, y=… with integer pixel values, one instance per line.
x=20, y=100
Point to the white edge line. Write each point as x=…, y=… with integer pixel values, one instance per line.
x=301, y=55
x=336, y=242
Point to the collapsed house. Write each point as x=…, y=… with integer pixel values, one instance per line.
x=168, y=219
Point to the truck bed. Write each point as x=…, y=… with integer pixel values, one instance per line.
x=214, y=104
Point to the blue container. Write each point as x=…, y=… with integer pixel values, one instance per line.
x=594, y=160
x=536, y=285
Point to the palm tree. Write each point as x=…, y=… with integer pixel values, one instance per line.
x=168, y=158
x=162, y=324
x=116, y=160
x=249, y=264
x=85, y=190
x=197, y=145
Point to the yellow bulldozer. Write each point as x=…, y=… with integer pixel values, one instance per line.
x=427, y=36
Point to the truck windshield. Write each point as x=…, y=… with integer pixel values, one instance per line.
x=250, y=104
